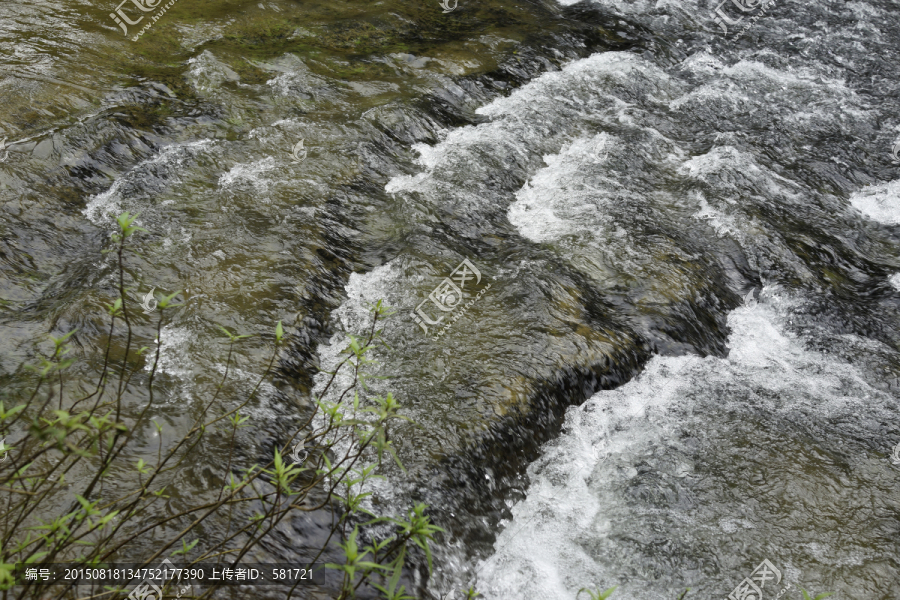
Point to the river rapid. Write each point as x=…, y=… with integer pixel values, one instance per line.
x=645, y=260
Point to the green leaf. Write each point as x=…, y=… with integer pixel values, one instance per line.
x=5, y=414
x=115, y=308
x=398, y=570
x=166, y=302
x=819, y=597
x=87, y=506
x=231, y=336
x=185, y=548
x=6, y=575
x=471, y=594
x=36, y=557
x=598, y=595
x=126, y=228
x=60, y=341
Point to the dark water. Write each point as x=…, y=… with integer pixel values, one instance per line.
x=608, y=407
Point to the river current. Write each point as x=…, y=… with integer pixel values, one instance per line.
x=669, y=347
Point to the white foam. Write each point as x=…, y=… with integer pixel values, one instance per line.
x=176, y=346
x=207, y=73
x=722, y=223
x=544, y=209
x=879, y=202
x=894, y=280
x=355, y=318
x=573, y=528
x=544, y=116
x=136, y=183
x=295, y=80
x=253, y=174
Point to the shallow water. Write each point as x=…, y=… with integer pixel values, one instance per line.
x=700, y=468
x=607, y=407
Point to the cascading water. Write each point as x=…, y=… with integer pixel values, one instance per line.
x=677, y=351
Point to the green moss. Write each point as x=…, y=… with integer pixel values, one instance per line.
x=143, y=116
x=245, y=32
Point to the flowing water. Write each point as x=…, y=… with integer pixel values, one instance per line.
x=679, y=347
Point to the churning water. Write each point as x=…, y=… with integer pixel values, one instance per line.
x=679, y=350
x=700, y=467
